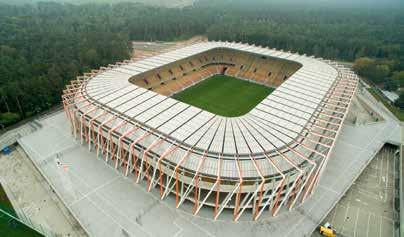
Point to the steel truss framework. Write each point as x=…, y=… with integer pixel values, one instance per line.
x=266, y=181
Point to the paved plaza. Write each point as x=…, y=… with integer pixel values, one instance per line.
x=106, y=203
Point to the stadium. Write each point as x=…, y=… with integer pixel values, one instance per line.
x=218, y=125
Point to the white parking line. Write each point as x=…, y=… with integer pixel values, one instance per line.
x=356, y=221
x=381, y=168
x=346, y=214
x=380, y=226
x=392, y=224
x=368, y=227
x=369, y=195
x=335, y=210
x=394, y=179
x=386, y=180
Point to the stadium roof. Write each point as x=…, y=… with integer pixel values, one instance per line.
x=276, y=124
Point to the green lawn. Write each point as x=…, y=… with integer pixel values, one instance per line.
x=224, y=95
x=4, y=202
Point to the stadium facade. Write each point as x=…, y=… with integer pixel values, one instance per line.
x=265, y=161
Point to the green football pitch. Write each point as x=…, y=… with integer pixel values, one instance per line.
x=224, y=95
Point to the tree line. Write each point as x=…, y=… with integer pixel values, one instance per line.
x=43, y=46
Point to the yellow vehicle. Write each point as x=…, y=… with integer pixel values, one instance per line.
x=326, y=230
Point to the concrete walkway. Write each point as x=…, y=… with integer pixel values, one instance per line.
x=108, y=204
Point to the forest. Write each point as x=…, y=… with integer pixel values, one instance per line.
x=45, y=45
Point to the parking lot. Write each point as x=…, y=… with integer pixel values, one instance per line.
x=367, y=209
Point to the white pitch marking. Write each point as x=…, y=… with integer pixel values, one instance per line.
x=199, y=227
x=179, y=227
x=95, y=190
x=108, y=215
x=163, y=203
x=119, y=212
x=108, y=202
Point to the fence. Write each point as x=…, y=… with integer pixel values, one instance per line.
x=21, y=225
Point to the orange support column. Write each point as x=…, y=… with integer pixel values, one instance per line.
x=165, y=154
x=177, y=188
x=294, y=192
x=278, y=196
x=238, y=195
x=196, y=194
